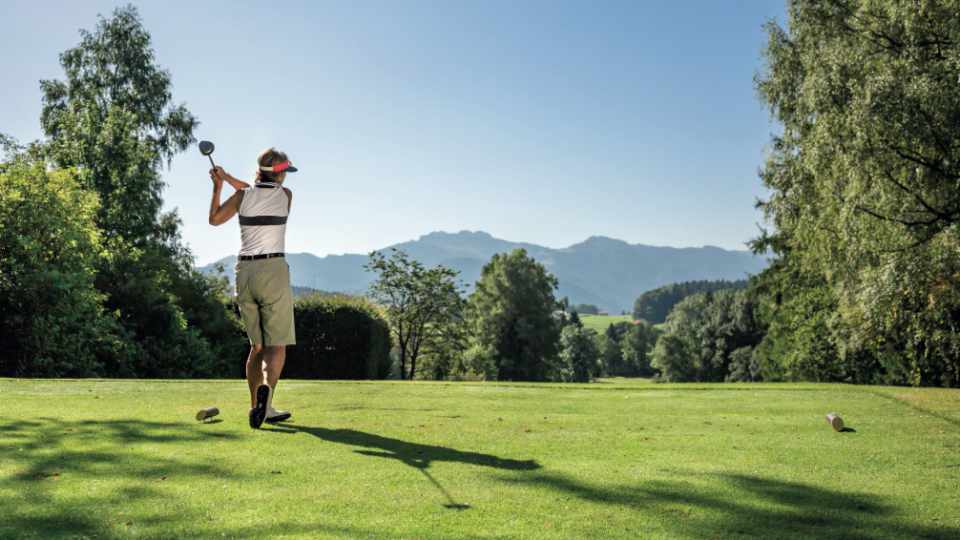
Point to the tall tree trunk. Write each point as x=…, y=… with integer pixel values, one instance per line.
x=413, y=358
x=417, y=341
x=403, y=359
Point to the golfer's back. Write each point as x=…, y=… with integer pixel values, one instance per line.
x=263, y=219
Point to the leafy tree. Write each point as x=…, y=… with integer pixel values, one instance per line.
x=575, y=319
x=579, y=355
x=806, y=339
x=653, y=306
x=611, y=356
x=674, y=358
x=511, y=319
x=865, y=183
x=444, y=356
x=52, y=315
x=112, y=120
x=678, y=354
x=637, y=344
x=702, y=333
x=424, y=307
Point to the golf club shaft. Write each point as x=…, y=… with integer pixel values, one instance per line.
x=212, y=164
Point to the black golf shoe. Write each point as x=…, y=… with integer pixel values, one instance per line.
x=259, y=411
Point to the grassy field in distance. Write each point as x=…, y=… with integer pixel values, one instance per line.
x=601, y=322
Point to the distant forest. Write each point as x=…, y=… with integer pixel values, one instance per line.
x=654, y=306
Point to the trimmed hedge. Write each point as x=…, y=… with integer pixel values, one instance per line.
x=338, y=337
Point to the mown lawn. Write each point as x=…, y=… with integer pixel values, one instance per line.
x=614, y=459
x=601, y=322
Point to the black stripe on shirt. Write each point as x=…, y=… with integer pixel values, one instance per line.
x=263, y=220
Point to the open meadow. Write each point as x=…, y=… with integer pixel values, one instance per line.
x=599, y=323
x=613, y=459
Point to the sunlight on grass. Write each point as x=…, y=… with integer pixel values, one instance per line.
x=620, y=458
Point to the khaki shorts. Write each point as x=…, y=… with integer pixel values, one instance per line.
x=266, y=301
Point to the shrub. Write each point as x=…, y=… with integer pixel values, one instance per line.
x=52, y=317
x=339, y=337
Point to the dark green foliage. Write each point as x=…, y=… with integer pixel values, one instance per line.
x=586, y=309
x=442, y=355
x=654, y=306
x=208, y=307
x=575, y=319
x=515, y=334
x=626, y=348
x=611, y=349
x=617, y=330
x=635, y=350
x=338, y=337
x=708, y=336
x=675, y=358
x=579, y=358
x=743, y=366
x=52, y=317
x=805, y=338
x=112, y=119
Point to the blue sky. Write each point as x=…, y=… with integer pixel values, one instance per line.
x=537, y=121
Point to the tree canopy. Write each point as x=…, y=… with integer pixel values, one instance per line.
x=511, y=318
x=424, y=306
x=864, y=180
x=110, y=124
x=113, y=119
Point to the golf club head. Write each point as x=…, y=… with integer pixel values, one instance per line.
x=206, y=148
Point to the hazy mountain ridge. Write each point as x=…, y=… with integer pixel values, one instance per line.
x=607, y=272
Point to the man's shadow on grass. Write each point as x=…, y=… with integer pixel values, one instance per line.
x=416, y=455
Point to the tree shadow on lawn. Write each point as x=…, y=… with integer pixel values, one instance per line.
x=738, y=505
x=52, y=468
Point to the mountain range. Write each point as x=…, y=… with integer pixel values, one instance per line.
x=603, y=271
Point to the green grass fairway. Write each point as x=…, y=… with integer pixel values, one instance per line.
x=601, y=322
x=398, y=460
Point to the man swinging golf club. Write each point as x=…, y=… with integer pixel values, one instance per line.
x=263, y=276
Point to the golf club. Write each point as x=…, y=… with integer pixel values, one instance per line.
x=206, y=148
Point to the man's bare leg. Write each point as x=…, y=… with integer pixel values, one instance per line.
x=254, y=372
